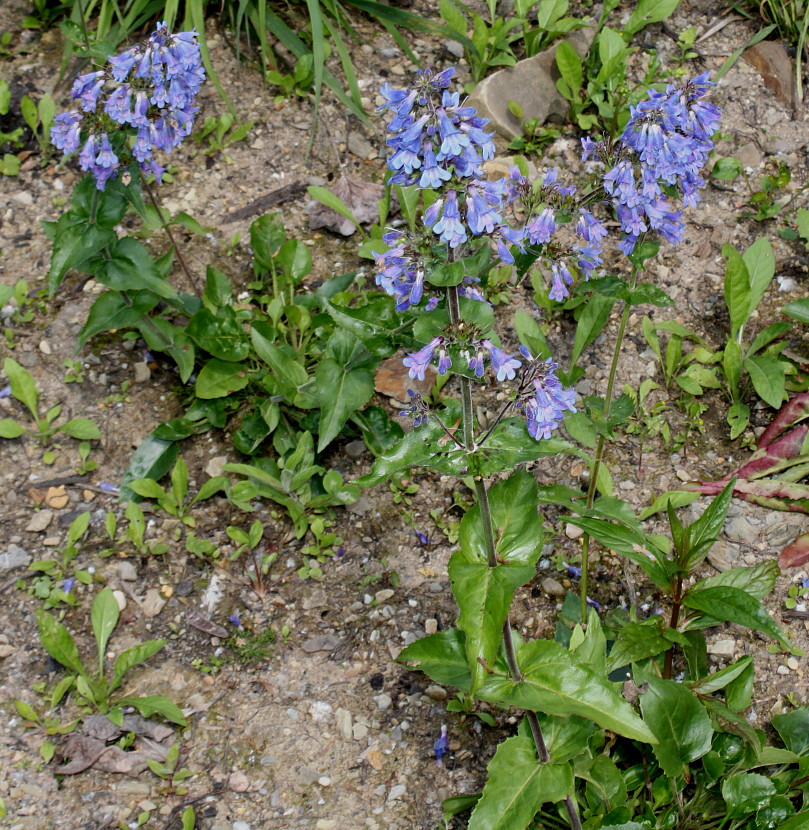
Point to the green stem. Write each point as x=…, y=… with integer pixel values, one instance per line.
x=508, y=642
x=454, y=309
x=147, y=187
x=599, y=456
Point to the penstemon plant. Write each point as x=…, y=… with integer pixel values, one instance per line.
x=468, y=221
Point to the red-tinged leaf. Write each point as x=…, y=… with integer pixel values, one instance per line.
x=796, y=553
x=775, y=494
x=771, y=459
x=790, y=414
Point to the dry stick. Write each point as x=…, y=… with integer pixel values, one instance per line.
x=591, y=490
x=543, y=755
x=170, y=235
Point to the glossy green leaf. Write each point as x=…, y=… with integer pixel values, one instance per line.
x=133, y=657
x=218, y=378
x=570, y=67
x=636, y=642
x=798, y=310
x=565, y=737
x=152, y=459
x=704, y=532
x=678, y=721
x=793, y=727
x=340, y=391
x=81, y=428
x=746, y=793
x=104, y=617
x=484, y=597
x=442, y=657
x=221, y=335
x=738, y=418
x=58, y=642
x=649, y=11
x=720, y=679
x=557, y=682
x=757, y=581
x=156, y=705
x=289, y=373
x=11, y=429
x=73, y=245
x=760, y=261
x=737, y=288
x=517, y=786
x=114, y=310
x=23, y=386
x=591, y=322
x=736, y=606
x=768, y=375
x=130, y=267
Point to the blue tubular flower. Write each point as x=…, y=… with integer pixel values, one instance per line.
x=87, y=88
x=504, y=365
x=166, y=74
x=545, y=406
x=449, y=227
x=542, y=228
x=561, y=278
x=66, y=131
x=67, y=584
x=433, y=175
x=441, y=746
x=417, y=362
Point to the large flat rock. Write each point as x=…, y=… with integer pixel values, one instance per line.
x=532, y=84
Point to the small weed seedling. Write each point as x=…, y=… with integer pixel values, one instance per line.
x=54, y=579
x=24, y=390
x=171, y=772
x=94, y=686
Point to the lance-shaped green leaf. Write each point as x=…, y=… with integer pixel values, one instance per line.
x=734, y=605
x=719, y=680
x=58, y=642
x=484, y=597
x=442, y=657
x=704, y=532
x=637, y=641
x=557, y=682
x=104, y=617
x=793, y=727
x=757, y=581
x=518, y=536
x=678, y=721
x=517, y=786
x=340, y=390
x=417, y=448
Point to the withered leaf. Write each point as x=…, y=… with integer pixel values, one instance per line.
x=82, y=751
x=361, y=197
x=198, y=620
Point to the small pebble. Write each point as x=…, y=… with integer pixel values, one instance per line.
x=573, y=532
x=383, y=702
x=793, y=663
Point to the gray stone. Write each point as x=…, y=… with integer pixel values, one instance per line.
x=24, y=197
x=307, y=776
x=345, y=726
x=39, y=521
x=215, y=467
x=359, y=145
x=552, y=587
x=383, y=702
x=360, y=507
x=741, y=529
x=142, y=372
x=241, y=825
x=397, y=792
x=436, y=692
x=532, y=84
x=749, y=155
x=322, y=642
x=356, y=449
x=724, y=555
x=722, y=648
x=127, y=572
x=454, y=48
x=14, y=557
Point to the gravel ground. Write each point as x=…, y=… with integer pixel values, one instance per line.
x=326, y=731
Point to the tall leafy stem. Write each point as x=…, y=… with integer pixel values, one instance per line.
x=481, y=493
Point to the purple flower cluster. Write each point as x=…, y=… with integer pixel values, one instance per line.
x=433, y=134
x=477, y=355
x=149, y=89
x=666, y=142
x=543, y=398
